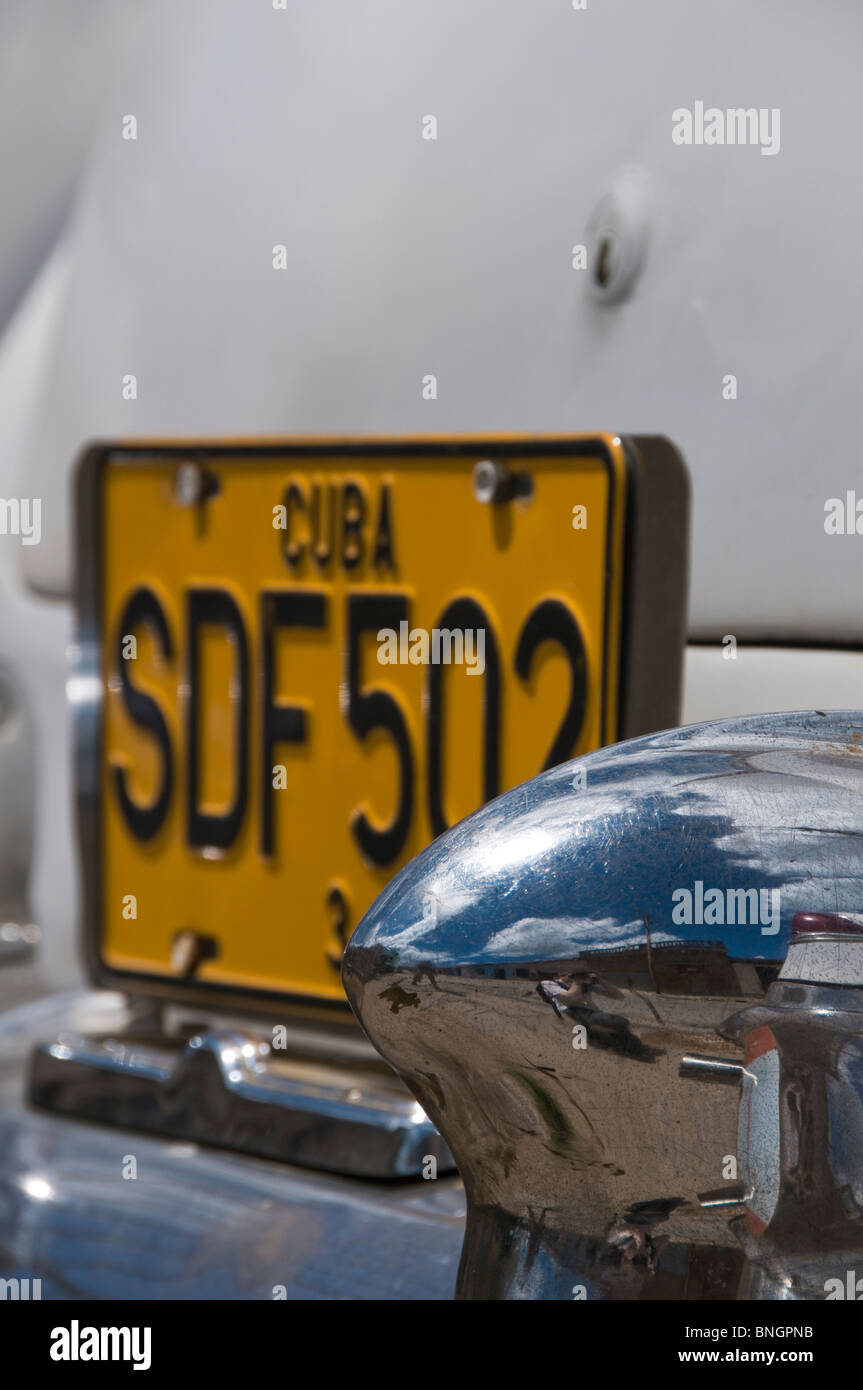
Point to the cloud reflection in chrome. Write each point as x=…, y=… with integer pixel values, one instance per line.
x=548, y=870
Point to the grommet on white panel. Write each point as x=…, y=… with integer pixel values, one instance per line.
x=618, y=233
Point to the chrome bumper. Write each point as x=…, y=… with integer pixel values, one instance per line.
x=574, y=985
x=196, y=1223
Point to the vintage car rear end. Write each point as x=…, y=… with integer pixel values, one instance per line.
x=335, y=331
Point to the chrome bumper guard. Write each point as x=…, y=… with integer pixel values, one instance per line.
x=230, y=1088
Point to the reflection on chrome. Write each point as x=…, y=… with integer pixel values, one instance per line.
x=639, y=1105
x=82, y=689
x=38, y=1188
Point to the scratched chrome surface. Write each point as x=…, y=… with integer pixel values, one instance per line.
x=601, y=1169
x=196, y=1223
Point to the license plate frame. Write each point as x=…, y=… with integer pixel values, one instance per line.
x=649, y=503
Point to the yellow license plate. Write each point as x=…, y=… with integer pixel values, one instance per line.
x=301, y=661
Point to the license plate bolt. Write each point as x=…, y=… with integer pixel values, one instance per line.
x=491, y=481
x=193, y=484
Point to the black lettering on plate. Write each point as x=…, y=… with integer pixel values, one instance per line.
x=292, y=551
x=216, y=608
x=377, y=709
x=464, y=614
x=383, y=552
x=353, y=516
x=323, y=520
x=552, y=621
x=337, y=906
x=144, y=609
x=281, y=608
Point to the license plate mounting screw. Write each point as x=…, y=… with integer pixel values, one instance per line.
x=193, y=484
x=491, y=481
